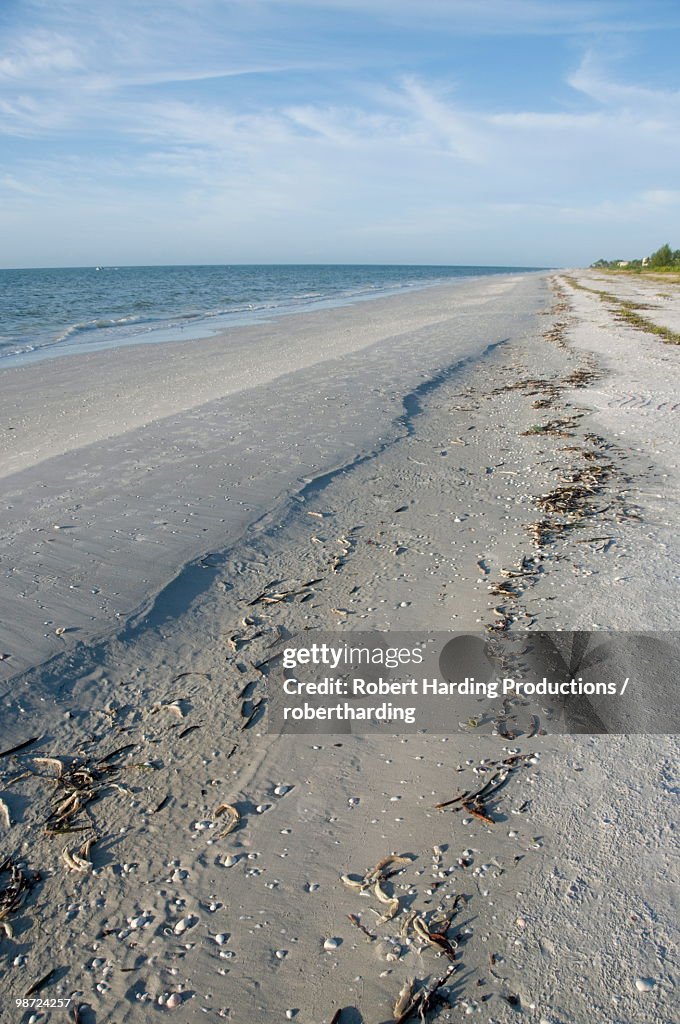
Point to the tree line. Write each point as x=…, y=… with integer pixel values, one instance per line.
x=664, y=258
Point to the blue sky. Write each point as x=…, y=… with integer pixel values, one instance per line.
x=444, y=131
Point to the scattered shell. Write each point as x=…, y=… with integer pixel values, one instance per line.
x=281, y=791
x=174, y=1000
x=331, y=943
x=221, y=939
x=281, y=954
x=4, y=812
x=183, y=924
x=234, y=817
x=644, y=984
x=229, y=861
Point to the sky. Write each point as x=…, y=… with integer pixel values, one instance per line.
x=500, y=132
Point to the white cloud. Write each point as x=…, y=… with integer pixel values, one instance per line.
x=115, y=97
x=39, y=54
x=591, y=79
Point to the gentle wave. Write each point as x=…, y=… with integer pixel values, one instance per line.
x=78, y=309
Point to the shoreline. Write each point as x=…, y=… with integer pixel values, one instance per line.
x=90, y=533
x=537, y=889
x=195, y=327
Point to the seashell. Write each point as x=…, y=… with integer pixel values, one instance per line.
x=221, y=939
x=229, y=861
x=233, y=815
x=174, y=1000
x=644, y=984
x=331, y=943
x=290, y=1014
x=261, y=808
x=282, y=790
x=281, y=954
x=183, y=924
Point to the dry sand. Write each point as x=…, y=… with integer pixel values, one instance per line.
x=564, y=905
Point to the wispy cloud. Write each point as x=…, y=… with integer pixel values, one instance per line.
x=505, y=17
x=38, y=54
x=591, y=78
x=335, y=119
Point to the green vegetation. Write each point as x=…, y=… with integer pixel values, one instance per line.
x=662, y=261
x=627, y=312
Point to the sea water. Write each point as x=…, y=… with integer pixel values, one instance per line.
x=49, y=312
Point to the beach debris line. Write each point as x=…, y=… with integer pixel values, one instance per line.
x=422, y=1001
x=475, y=803
x=80, y=860
x=13, y=892
x=77, y=784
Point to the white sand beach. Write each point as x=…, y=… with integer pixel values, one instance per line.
x=383, y=466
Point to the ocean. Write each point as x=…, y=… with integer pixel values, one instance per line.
x=51, y=312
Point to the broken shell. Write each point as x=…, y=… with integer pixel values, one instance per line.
x=233, y=818
x=201, y=826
